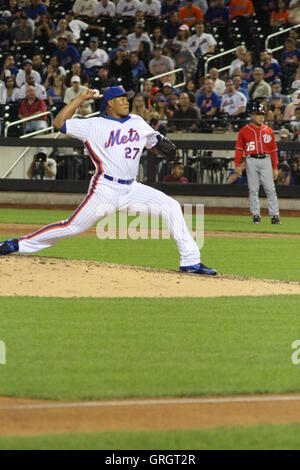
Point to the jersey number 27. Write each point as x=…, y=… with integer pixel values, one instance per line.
x=131, y=153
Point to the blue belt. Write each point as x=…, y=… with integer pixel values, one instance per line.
x=118, y=180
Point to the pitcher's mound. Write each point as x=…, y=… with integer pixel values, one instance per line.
x=52, y=277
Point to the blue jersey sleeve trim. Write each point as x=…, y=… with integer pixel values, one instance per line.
x=63, y=129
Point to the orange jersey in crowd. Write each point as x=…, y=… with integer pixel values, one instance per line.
x=253, y=140
x=241, y=8
x=190, y=16
x=279, y=16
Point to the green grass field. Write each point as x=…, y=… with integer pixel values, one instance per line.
x=103, y=348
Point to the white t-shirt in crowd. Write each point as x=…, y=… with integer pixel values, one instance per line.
x=203, y=42
x=108, y=10
x=151, y=9
x=130, y=8
x=231, y=103
x=20, y=78
x=76, y=26
x=40, y=92
x=93, y=58
x=84, y=7
x=134, y=41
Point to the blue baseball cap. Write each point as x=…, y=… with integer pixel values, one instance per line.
x=114, y=92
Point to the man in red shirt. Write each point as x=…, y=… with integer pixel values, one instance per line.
x=30, y=106
x=190, y=14
x=257, y=142
x=176, y=175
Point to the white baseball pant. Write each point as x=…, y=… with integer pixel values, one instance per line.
x=105, y=194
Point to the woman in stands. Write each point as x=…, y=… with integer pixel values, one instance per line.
x=248, y=67
x=9, y=92
x=158, y=39
x=279, y=16
x=56, y=92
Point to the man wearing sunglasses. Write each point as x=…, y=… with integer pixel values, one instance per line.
x=256, y=141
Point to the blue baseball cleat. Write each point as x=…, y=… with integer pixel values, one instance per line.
x=9, y=246
x=198, y=269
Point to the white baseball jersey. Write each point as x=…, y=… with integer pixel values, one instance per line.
x=130, y=8
x=108, y=10
x=231, y=103
x=151, y=9
x=93, y=58
x=114, y=145
x=21, y=79
x=203, y=42
x=40, y=92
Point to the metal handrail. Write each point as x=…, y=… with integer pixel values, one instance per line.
x=31, y=118
x=278, y=33
x=5, y=175
x=151, y=79
x=221, y=54
x=32, y=134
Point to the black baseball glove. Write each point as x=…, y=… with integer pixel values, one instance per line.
x=166, y=148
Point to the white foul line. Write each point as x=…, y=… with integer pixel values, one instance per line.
x=151, y=402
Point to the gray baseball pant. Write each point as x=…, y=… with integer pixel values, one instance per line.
x=259, y=171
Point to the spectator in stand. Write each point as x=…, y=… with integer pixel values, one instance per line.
x=146, y=92
x=139, y=35
x=105, y=8
x=208, y=101
x=138, y=106
x=233, y=102
x=276, y=112
x=238, y=85
x=120, y=67
x=40, y=91
x=259, y=88
x=9, y=65
x=162, y=110
x=167, y=90
x=44, y=28
x=56, y=93
x=171, y=27
x=176, y=175
x=77, y=26
x=284, y=174
x=160, y=63
x=35, y=9
x=202, y=4
x=241, y=8
x=239, y=61
x=9, y=93
x=62, y=30
x=37, y=64
x=66, y=54
x=219, y=85
x=271, y=70
x=23, y=32
x=248, y=67
x=190, y=14
x=103, y=80
x=294, y=16
x=144, y=52
x=74, y=90
x=157, y=38
x=294, y=34
x=151, y=8
x=137, y=66
x=123, y=43
x=5, y=36
x=92, y=57
x=295, y=122
x=30, y=106
x=279, y=16
x=84, y=7
x=182, y=35
x=185, y=59
x=76, y=69
x=186, y=117
x=128, y=7
x=27, y=70
x=201, y=43
x=217, y=14
x=290, y=61
x=277, y=92
x=168, y=7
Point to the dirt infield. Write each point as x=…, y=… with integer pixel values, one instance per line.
x=33, y=417
x=20, y=276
